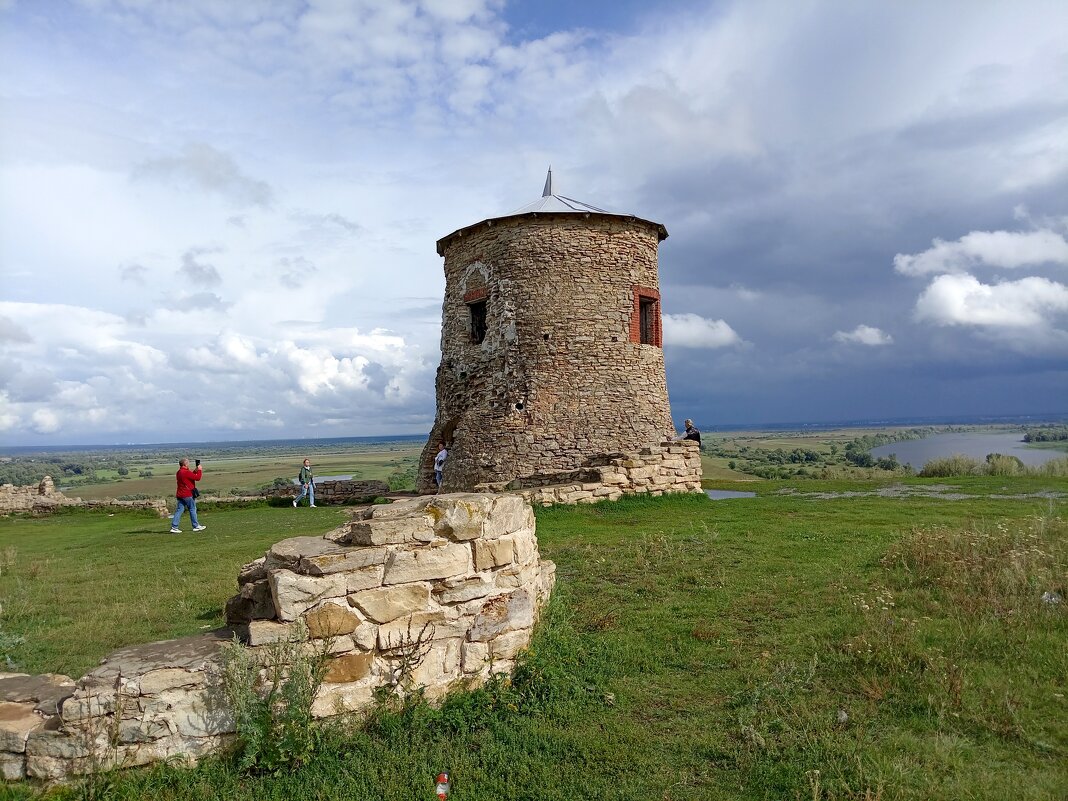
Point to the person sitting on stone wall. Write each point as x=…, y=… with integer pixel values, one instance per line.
x=439, y=464
x=691, y=432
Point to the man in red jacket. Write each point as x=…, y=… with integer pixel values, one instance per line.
x=187, y=485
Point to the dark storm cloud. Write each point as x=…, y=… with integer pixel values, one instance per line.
x=795, y=240
x=984, y=128
x=29, y=386
x=378, y=377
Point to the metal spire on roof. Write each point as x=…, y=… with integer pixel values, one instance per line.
x=550, y=204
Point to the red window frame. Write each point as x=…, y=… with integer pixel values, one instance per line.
x=650, y=297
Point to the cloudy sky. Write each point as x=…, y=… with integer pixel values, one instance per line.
x=217, y=220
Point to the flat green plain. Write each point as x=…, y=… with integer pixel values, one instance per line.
x=250, y=472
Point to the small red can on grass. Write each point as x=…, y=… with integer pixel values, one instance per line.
x=442, y=786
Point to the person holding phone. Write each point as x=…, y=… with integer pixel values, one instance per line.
x=186, y=494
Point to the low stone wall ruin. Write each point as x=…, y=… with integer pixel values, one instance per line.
x=337, y=493
x=673, y=466
x=459, y=576
x=44, y=498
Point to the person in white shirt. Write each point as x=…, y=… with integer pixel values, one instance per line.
x=439, y=464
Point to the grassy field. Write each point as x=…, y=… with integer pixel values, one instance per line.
x=77, y=585
x=715, y=468
x=778, y=647
x=251, y=472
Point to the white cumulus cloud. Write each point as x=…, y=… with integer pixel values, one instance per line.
x=863, y=335
x=45, y=421
x=86, y=376
x=694, y=331
x=964, y=300
x=1006, y=249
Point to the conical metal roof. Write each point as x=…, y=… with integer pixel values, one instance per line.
x=551, y=203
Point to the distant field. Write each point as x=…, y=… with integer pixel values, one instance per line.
x=253, y=471
x=726, y=455
x=716, y=468
x=789, y=439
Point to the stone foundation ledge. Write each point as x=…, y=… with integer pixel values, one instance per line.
x=668, y=467
x=457, y=578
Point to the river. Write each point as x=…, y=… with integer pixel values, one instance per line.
x=918, y=452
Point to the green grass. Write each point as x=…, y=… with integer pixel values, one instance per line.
x=695, y=650
x=716, y=468
x=77, y=585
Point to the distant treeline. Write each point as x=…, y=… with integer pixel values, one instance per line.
x=1052, y=434
x=24, y=471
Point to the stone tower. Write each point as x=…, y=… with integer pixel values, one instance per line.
x=551, y=344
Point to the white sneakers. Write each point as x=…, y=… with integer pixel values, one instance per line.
x=294, y=503
x=312, y=505
x=175, y=530
x=199, y=528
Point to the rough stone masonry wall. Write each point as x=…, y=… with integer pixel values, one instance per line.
x=43, y=498
x=557, y=378
x=658, y=470
x=459, y=573
x=335, y=493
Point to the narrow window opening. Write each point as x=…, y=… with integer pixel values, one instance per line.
x=478, y=321
x=647, y=324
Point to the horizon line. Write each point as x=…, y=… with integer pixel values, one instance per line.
x=895, y=422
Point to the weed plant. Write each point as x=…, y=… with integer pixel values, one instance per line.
x=270, y=690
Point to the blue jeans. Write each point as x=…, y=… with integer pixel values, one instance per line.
x=309, y=490
x=185, y=503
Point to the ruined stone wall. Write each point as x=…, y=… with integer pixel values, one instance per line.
x=657, y=470
x=460, y=576
x=557, y=378
x=334, y=493
x=43, y=498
